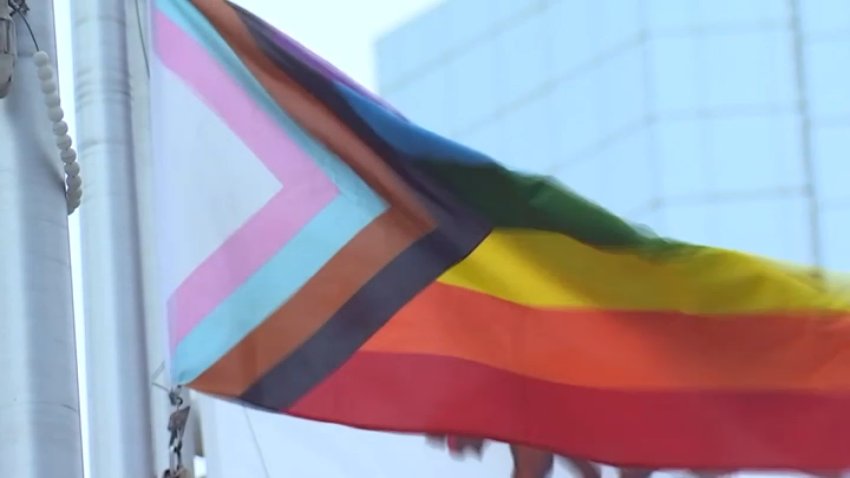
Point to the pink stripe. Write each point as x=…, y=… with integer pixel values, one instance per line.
x=271, y=228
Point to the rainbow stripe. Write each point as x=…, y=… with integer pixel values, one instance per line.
x=399, y=281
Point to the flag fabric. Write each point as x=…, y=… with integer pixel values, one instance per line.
x=326, y=258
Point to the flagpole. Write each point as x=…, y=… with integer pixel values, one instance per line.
x=39, y=401
x=139, y=56
x=117, y=373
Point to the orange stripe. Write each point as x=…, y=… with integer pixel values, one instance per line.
x=312, y=307
x=625, y=349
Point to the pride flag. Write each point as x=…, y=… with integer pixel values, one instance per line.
x=326, y=258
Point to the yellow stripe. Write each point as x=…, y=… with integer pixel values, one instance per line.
x=545, y=269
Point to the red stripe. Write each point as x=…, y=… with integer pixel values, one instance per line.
x=653, y=429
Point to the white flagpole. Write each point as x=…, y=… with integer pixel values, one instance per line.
x=140, y=57
x=117, y=372
x=39, y=402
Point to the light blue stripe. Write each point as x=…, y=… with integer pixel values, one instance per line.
x=305, y=254
x=270, y=287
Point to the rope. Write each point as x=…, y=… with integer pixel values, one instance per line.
x=47, y=78
x=142, y=41
x=73, y=181
x=21, y=8
x=256, y=442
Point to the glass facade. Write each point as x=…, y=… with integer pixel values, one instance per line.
x=715, y=121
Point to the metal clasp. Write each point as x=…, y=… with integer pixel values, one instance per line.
x=177, y=427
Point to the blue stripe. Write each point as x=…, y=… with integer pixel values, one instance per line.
x=405, y=136
x=274, y=284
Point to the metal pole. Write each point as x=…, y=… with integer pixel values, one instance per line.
x=807, y=148
x=138, y=33
x=160, y=407
x=117, y=373
x=39, y=401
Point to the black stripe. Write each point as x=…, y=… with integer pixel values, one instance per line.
x=325, y=90
x=506, y=198
x=365, y=313
x=458, y=232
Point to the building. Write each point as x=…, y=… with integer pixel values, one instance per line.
x=716, y=121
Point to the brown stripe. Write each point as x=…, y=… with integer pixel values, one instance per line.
x=311, y=114
x=300, y=317
x=377, y=245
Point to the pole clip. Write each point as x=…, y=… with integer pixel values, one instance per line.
x=177, y=427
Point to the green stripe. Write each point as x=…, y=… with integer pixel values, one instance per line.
x=515, y=200
x=511, y=199
x=507, y=198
